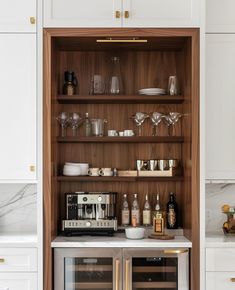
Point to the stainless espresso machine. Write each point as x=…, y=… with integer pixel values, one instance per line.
x=90, y=213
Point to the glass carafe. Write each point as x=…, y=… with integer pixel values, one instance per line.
x=115, y=82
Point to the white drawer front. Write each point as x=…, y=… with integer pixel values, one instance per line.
x=18, y=281
x=220, y=281
x=219, y=259
x=18, y=260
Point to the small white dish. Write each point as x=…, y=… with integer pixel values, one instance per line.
x=152, y=91
x=135, y=233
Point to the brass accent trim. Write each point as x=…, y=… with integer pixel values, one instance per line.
x=32, y=168
x=2, y=260
x=32, y=20
x=127, y=278
x=232, y=280
x=117, y=269
x=117, y=14
x=124, y=40
x=176, y=251
x=126, y=14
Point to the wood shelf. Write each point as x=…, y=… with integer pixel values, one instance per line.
x=120, y=99
x=134, y=139
x=117, y=179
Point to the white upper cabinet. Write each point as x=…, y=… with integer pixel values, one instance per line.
x=82, y=13
x=220, y=16
x=18, y=106
x=220, y=106
x=133, y=13
x=18, y=16
x=161, y=13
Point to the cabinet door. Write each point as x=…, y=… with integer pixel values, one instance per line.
x=220, y=104
x=18, y=106
x=80, y=13
x=15, y=16
x=161, y=13
x=220, y=16
x=220, y=280
x=18, y=281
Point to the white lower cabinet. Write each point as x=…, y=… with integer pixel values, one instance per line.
x=220, y=280
x=18, y=281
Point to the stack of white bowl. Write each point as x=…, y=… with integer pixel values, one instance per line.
x=75, y=169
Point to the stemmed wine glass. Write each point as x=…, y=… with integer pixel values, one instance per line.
x=63, y=119
x=139, y=118
x=75, y=121
x=171, y=119
x=156, y=118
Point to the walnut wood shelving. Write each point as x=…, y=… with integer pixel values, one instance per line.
x=117, y=179
x=120, y=99
x=135, y=139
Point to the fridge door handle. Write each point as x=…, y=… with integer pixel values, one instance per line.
x=127, y=275
x=117, y=274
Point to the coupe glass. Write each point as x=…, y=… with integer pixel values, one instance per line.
x=75, y=122
x=63, y=119
x=139, y=118
x=171, y=119
x=156, y=119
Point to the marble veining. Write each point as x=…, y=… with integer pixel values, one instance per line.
x=18, y=208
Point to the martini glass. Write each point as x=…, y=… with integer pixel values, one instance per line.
x=171, y=119
x=63, y=119
x=75, y=122
x=156, y=119
x=139, y=118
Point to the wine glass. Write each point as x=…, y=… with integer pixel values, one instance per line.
x=139, y=118
x=75, y=121
x=156, y=118
x=63, y=119
x=171, y=119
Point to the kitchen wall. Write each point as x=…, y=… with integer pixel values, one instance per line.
x=216, y=196
x=18, y=208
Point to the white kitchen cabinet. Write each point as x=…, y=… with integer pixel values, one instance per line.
x=220, y=280
x=220, y=16
x=133, y=13
x=220, y=104
x=17, y=16
x=18, y=281
x=18, y=106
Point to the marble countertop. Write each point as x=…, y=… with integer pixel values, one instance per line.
x=21, y=240
x=118, y=241
x=220, y=241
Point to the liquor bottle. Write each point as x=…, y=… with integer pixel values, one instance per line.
x=87, y=124
x=125, y=211
x=70, y=83
x=135, y=212
x=158, y=220
x=146, y=212
x=172, y=213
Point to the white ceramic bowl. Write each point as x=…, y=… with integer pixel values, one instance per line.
x=70, y=170
x=83, y=167
x=135, y=233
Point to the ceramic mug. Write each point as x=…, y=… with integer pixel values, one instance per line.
x=106, y=172
x=112, y=133
x=129, y=133
x=93, y=171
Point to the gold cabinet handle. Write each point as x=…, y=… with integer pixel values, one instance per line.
x=232, y=280
x=127, y=274
x=32, y=20
x=117, y=14
x=2, y=260
x=175, y=251
x=32, y=168
x=126, y=14
x=117, y=274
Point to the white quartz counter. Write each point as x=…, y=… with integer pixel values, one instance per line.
x=118, y=241
x=220, y=241
x=23, y=240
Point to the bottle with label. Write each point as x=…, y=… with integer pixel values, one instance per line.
x=135, y=211
x=125, y=211
x=158, y=220
x=87, y=124
x=172, y=213
x=70, y=83
x=146, y=212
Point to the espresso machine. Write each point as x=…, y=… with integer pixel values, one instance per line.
x=90, y=213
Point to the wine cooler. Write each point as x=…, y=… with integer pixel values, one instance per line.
x=121, y=269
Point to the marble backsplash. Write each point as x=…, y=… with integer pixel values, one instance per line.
x=18, y=208
x=216, y=196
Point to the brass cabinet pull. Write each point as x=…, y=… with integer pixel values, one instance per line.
x=175, y=251
x=127, y=274
x=32, y=20
x=232, y=280
x=117, y=14
x=2, y=260
x=117, y=274
x=32, y=168
x=126, y=14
